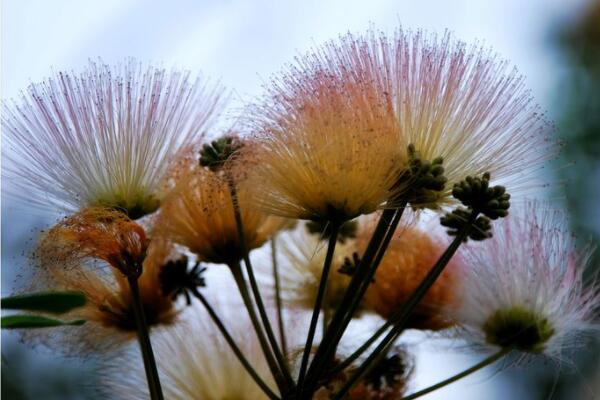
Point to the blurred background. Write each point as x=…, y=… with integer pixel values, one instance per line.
x=554, y=43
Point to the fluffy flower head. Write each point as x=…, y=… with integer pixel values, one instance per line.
x=198, y=213
x=97, y=233
x=72, y=257
x=327, y=140
x=104, y=137
x=370, y=121
x=523, y=288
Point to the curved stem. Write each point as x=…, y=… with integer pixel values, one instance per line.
x=482, y=364
x=318, y=303
x=238, y=276
x=254, y=286
x=144, y=340
x=234, y=347
x=400, y=318
x=278, y=301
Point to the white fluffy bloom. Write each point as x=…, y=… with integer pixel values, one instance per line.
x=523, y=288
x=103, y=137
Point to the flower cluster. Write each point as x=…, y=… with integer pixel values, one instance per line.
x=365, y=139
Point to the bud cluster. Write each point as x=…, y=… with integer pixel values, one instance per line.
x=215, y=154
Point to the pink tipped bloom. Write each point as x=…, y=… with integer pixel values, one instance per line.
x=104, y=137
x=523, y=288
x=335, y=126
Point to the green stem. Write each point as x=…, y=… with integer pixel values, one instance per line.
x=484, y=363
x=254, y=286
x=400, y=318
x=238, y=276
x=326, y=316
x=278, y=301
x=234, y=347
x=144, y=340
x=335, y=227
x=382, y=234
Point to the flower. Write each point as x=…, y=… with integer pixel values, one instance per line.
x=195, y=361
x=109, y=237
x=407, y=260
x=327, y=141
x=303, y=259
x=466, y=106
x=104, y=137
x=371, y=121
x=97, y=233
x=198, y=213
x=523, y=289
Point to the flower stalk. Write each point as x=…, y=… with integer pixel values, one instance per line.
x=238, y=276
x=144, y=340
x=482, y=364
x=280, y=359
x=382, y=234
x=278, y=302
x=234, y=347
x=318, y=303
x=400, y=318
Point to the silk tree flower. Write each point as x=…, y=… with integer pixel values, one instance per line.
x=450, y=110
x=302, y=266
x=196, y=363
x=104, y=137
x=90, y=252
x=407, y=260
x=327, y=142
x=198, y=213
x=466, y=105
x=523, y=289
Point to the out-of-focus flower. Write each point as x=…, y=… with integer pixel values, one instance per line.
x=196, y=363
x=74, y=255
x=198, y=213
x=303, y=259
x=104, y=137
x=407, y=260
x=523, y=289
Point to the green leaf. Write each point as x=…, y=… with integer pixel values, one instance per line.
x=35, y=321
x=51, y=302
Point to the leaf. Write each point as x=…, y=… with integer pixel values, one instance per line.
x=35, y=321
x=51, y=302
